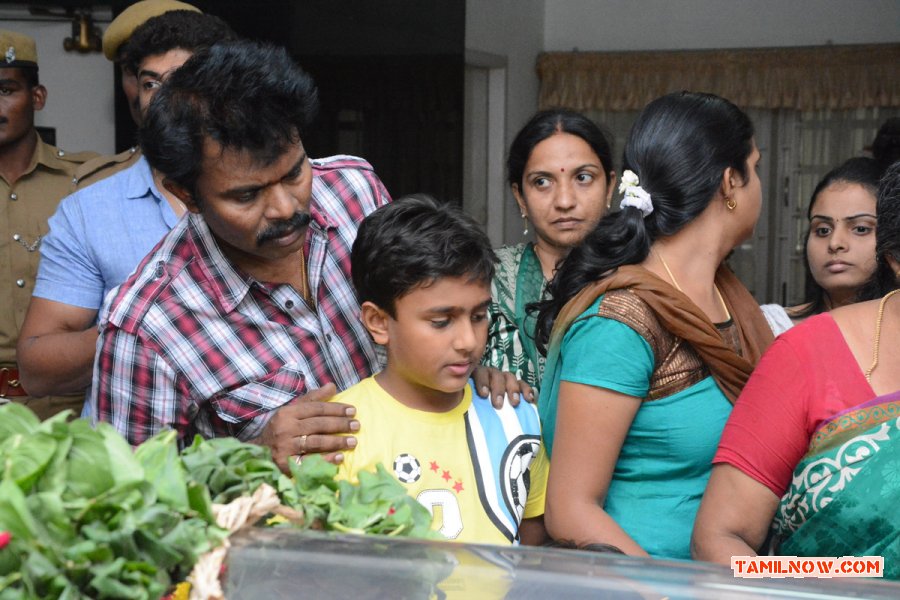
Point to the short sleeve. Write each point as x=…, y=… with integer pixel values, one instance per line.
x=537, y=493
x=605, y=353
x=66, y=273
x=767, y=435
x=133, y=388
x=777, y=317
x=379, y=194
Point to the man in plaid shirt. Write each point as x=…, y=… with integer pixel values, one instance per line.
x=243, y=320
x=247, y=303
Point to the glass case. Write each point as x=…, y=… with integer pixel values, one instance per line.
x=273, y=564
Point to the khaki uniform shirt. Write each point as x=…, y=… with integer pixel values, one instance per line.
x=25, y=207
x=102, y=167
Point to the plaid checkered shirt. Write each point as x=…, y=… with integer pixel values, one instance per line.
x=189, y=342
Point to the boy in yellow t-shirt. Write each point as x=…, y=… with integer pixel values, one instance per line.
x=422, y=271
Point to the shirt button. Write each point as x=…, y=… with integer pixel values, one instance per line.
x=13, y=196
x=328, y=336
x=20, y=282
x=17, y=237
x=60, y=153
x=289, y=304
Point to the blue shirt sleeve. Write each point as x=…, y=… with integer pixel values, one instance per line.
x=66, y=272
x=605, y=353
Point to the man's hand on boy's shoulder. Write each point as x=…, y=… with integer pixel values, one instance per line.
x=499, y=384
x=310, y=425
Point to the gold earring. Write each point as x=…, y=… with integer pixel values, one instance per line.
x=525, y=224
x=730, y=203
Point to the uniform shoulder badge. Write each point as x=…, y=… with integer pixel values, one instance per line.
x=103, y=166
x=76, y=157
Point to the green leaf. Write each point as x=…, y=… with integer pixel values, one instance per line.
x=88, y=468
x=313, y=472
x=11, y=558
x=123, y=464
x=200, y=502
x=49, y=510
x=14, y=514
x=70, y=593
x=106, y=582
x=231, y=468
x=17, y=419
x=162, y=554
x=54, y=478
x=28, y=458
x=38, y=566
x=164, y=469
x=379, y=504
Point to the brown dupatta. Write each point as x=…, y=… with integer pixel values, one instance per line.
x=679, y=315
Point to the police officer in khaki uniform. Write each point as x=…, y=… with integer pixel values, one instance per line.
x=34, y=177
x=115, y=43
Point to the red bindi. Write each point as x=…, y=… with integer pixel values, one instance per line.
x=563, y=170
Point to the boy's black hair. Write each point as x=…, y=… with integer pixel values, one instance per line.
x=411, y=243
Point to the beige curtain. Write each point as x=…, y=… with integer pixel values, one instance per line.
x=807, y=78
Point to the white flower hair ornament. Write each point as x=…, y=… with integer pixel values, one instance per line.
x=635, y=195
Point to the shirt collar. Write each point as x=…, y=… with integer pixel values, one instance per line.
x=231, y=286
x=140, y=181
x=139, y=184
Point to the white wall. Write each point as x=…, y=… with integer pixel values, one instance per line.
x=80, y=86
x=513, y=29
x=695, y=24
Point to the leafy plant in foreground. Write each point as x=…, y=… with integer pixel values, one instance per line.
x=84, y=516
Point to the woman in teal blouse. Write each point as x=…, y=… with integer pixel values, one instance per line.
x=650, y=337
x=560, y=171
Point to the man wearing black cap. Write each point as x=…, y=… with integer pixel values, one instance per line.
x=34, y=176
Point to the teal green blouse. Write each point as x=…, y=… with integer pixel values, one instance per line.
x=666, y=458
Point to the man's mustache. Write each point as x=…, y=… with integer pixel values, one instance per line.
x=282, y=228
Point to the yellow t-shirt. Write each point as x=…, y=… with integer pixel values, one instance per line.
x=434, y=456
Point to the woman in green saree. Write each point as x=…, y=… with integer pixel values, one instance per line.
x=560, y=172
x=813, y=444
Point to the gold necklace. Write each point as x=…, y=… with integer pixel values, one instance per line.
x=678, y=287
x=878, y=334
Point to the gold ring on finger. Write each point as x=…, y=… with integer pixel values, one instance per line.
x=303, y=444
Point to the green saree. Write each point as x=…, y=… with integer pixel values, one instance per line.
x=518, y=281
x=844, y=495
